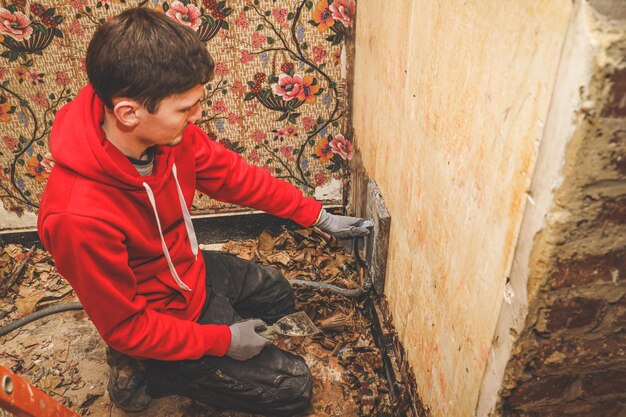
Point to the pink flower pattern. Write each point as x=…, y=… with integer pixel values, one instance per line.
x=308, y=123
x=259, y=135
x=242, y=20
x=76, y=28
x=233, y=118
x=221, y=70
x=254, y=157
x=320, y=179
x=343, y=11
x=280, y=15
x=287, y=152
x=241, y=56
x=246, y=57
x=289, y=87
x=16, y=25
x=258, y=39
x=342, y=147
x=187, y=15
x=40, y=100
x=62, y=78
x=10, y=142
x=238, y=88
x=319, y=53
x=219, y=107
x=79, y=4
x=47, y=163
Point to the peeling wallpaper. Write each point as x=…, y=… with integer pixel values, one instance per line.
x=264, y=52
x=450, y=100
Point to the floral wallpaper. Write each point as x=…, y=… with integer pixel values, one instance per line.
x=277, y=98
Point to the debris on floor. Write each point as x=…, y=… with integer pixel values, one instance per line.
x=64, y=356
x=345, y=362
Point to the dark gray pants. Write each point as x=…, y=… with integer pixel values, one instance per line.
x=275, y=382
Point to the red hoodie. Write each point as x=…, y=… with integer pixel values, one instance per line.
x=111, y=243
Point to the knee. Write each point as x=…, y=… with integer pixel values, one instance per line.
x=276, y=277
x=302, y=383
x=296, y=389
x=281, y=291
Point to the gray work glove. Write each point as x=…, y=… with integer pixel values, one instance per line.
x=245, y=343
x=343, y=227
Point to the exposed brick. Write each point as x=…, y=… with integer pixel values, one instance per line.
x=573, y=313
x=540, y=389
x=613, y=210
x=555, y=354
x=613, y=408
x=604, y=383
x=590, y=269
x=615, y=106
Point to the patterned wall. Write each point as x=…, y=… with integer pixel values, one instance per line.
x=278, y=96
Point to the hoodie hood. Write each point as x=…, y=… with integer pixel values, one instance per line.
x=78, y=143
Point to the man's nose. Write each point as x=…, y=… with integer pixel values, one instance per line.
x=195, y=114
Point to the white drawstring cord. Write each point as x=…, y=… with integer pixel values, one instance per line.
x=180, y=283
x=186, y=216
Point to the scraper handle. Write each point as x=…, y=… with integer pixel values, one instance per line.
x=268, y=331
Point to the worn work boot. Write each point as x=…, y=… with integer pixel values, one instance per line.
x=127, y=382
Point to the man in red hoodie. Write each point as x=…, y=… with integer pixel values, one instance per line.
x=115, y=216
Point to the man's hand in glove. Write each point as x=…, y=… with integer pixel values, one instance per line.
x=245, y=343
x=343, y=227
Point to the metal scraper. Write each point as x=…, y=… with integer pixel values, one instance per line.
x=296, y=324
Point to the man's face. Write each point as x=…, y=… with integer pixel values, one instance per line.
x=174, y=113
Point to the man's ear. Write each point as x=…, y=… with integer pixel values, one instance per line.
x=125, y=111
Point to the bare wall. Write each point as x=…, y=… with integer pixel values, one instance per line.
x=449, y=105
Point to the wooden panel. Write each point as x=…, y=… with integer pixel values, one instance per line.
x=449, y=104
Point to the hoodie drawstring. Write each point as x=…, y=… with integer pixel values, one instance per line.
x=186, y=216
x=188, y=225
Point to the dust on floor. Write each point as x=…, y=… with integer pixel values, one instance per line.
x=64, y=356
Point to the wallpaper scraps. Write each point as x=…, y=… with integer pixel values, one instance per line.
x=277, y=98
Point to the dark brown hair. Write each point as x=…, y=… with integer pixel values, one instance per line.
x=144, y=55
